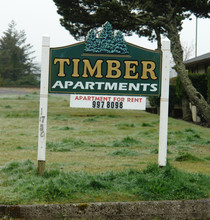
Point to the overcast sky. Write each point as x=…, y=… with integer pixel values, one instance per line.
x=39, y=17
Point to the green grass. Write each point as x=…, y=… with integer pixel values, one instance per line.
x=123, y=153
x=24, y=186
x=65, y=145
x=183, y=156
x=66, y=128
x=125, y=142
x=125, y=125
x=91, y=144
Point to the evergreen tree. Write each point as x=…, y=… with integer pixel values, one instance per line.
x=91, y=43
x=146, y=18
x=106, y=43
x=16, y=63
x=120, y=45
x=106, y=39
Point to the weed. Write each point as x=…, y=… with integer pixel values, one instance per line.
x=60, y=118
x=65, y=145
x=183, y=148
x=8, y=106
x=125, y=125
x=90, y=120
x=19, y=148
x=144, y=124
x=125, y=142
x=66, y=128
x=189, y=130
x=155, y=122
x=172, y=142
x=207, y=158
x=123, y=153
x=97, y=145
x=183, y=156
x=21, y=98
x=155, y=151
x=194, y=137
x=112, y=116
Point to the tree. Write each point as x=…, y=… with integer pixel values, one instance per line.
x=151, y=18
x=16, y=63
x=106, y=38
x=91, y=43
x=106, y=42
x=120, y=45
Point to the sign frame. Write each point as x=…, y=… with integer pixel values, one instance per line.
x=163, y=129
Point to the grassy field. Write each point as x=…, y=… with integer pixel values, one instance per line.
x=93, y=143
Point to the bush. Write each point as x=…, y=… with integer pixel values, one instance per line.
x=28, y=80
x=199, y=81
x=208, y=84
x=174, y=98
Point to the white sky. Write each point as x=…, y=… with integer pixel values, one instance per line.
x=39, y=17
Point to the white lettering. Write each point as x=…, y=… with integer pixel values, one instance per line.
x=89, y=85
x=153, y=87
x=123, y=86
x=99, y=85
x=109, y=86
x=68, y=84
x=132, y=86
x=145, y=86
x=78, y=84
x=58, y=83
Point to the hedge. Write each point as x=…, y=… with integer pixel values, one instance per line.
x=176, y=92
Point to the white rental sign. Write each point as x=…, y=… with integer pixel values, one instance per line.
x=108, y=102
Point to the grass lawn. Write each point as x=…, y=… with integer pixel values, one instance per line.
x=97, y=155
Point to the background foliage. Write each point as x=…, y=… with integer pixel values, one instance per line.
x=176, y=91
x=16, y=61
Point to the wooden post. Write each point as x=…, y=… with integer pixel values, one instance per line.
x=164, y=99
x=43, y=105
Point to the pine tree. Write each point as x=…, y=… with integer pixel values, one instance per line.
x=15, y=57
x=106, y=39
x=120, y=45
x=91, y=43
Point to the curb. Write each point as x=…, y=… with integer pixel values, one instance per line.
x=186, y=209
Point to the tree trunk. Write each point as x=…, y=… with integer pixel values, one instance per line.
x=186, y=113
x=194, y=96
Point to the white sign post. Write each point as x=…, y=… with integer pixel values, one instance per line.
x=164, y=100
x=43, y=105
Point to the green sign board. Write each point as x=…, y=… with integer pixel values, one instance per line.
x=105, y=65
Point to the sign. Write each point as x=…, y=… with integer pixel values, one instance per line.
x=108, y=102
x=105, y=65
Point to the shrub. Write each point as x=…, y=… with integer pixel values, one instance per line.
x=208, y=84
